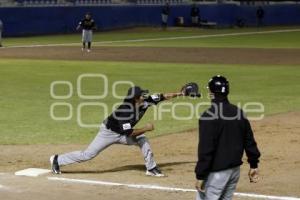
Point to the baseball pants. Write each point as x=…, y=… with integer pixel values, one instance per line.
x=87, y=35
x=104, y=139
x=195, y=20
x=220, y=185
x=164, y=18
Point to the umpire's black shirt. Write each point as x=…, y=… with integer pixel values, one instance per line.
x=224, y=134
x=127, y=115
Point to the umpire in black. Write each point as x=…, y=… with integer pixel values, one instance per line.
x=224, y=134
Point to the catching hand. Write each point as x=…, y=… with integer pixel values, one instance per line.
x=191, y=89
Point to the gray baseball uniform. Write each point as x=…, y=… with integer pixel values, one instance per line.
x=87, y=26
x=117, y=129
x=87, y=35
x=104, y=139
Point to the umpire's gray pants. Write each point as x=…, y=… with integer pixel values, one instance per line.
x=104, y=139
x=220, y=185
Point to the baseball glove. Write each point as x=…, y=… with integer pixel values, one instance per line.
x=191, y=89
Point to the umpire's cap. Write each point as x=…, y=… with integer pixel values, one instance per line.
x=219, y=85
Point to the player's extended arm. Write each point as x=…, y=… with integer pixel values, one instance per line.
x=79, y=25
x=140, y=131
x=189, y=89
x=168, y=96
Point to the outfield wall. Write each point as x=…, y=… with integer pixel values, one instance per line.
x=20, y=21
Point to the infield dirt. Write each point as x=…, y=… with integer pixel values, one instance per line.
x=165, y=54
x=278, y=138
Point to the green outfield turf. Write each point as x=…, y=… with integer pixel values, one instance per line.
x=270, y=40
x=25, y=94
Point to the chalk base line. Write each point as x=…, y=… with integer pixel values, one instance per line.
x=162, y=188
x=35, y=172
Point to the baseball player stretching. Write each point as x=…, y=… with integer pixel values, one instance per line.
x=87, y=25
x=118, y=128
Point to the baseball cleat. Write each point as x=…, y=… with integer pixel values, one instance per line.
x=82, y=49
x=154, y=172
x=54, y=164
x=88, y=50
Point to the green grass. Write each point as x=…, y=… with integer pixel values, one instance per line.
x=25, y=94
x=271, y=40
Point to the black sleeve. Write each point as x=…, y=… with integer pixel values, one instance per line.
x=206, y=147
x=251, y=149
x=155, y=99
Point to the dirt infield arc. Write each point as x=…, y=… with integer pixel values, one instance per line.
x=278, y=138
x=165, y=54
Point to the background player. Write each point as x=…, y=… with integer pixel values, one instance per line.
x=87, y=25
x=224, y=134
x=118, y=128
x=1, y=29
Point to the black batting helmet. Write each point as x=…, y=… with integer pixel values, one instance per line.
x=219, y=85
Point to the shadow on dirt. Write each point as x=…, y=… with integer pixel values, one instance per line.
x=127, y=168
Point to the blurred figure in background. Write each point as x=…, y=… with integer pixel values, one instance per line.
x=165, y=15
x=1, y=29
x=87, y=25
x=260, y=14
x=195, y=12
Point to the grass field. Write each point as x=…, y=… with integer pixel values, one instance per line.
x=25, y=84
x=26, y=101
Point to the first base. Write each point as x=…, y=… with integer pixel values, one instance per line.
x=33, y=172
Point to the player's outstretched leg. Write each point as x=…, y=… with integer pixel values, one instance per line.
x=104, y=139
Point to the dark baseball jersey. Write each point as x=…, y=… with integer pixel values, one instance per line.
x=87, y=24
x=127, y=115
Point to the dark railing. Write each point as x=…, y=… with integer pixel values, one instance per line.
x=34, y=3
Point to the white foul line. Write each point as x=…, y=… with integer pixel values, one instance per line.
x=156, y=187
x=161, y=39
x=2, y=187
